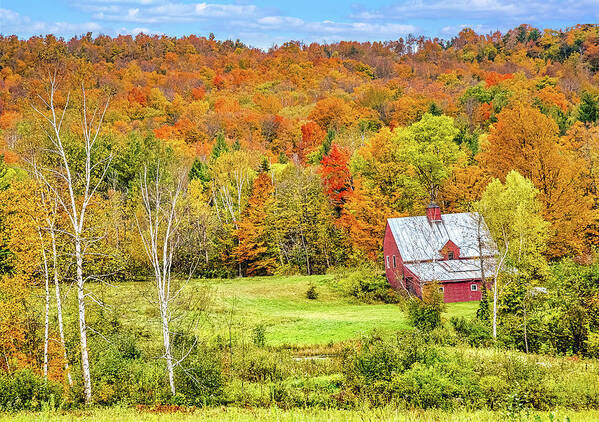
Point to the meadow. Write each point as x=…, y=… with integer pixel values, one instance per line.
x=278, y=303
x=322, y=359
x=302, y=415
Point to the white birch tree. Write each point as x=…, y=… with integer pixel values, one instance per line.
x=74, y=188
x=158, y=229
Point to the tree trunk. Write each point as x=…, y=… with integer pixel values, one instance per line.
x=495, y=308
x=525, y=331
x=495, y=290
x=59, y=308
x=87, y=385
x=166, y=337
x=46, y=306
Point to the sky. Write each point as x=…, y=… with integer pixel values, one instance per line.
x=264, y=23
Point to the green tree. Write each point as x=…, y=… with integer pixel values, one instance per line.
x=220, y=147
x=428, y=148
x=199, y=170
x=513, y=215
x=588, y=109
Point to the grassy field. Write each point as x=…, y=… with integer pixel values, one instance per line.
x=277, y=303
x=308, y=327
x=304, y=415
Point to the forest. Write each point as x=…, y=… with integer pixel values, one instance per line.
x=173, y=165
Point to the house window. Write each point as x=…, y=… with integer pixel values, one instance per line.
x=394, y=263
x=441, y=289
x=474, y=287
x=450, y=255
x=388, y=266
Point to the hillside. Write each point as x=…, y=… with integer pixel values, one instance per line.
x=267, y=178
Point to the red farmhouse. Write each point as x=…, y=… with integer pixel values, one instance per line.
x=455, y=250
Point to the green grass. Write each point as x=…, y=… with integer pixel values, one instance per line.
x=302, y=415
x=279, y=303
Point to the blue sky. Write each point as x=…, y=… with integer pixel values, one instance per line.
x=267, y=22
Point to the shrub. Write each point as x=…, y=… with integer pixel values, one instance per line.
x=312, y=293
x=476, y=332
x=200, y=379
x=261, y=365
x=24, y=390
x=259, y=335
x=592, y=345
x=425, y=314
x=365, y=285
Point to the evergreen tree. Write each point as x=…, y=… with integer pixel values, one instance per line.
x=435, y=110
x=264, y=165
x=283, y=158
x=483, y=312
x=220, y=147
x=588, y=110
x=199, y=171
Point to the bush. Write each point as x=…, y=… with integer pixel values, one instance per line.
x=312, y=293
x=475, y=332
x=200, y=379
x=592, y=345
x=261, y=365
x=259, y=335
x=425, y=314
x=121, y=375
x=24, y=390
x=365, y=285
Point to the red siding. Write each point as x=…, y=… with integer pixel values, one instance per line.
x=459, y=291
x=394, y=275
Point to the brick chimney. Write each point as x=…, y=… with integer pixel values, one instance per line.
x=433, y=213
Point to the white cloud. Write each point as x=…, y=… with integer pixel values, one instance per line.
x=12, y=22
x=164, y=12
x=478, y=28
x=492, y=10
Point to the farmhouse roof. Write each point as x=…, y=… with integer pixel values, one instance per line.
x=451, y=270
x=419, y=239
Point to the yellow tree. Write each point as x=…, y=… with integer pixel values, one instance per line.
x=252, y=249
x=24, y=235
x=526, y=140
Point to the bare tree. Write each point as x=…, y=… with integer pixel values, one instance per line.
x=46, y=302
x=160, y=238
x=75, y=189
x=49, y=208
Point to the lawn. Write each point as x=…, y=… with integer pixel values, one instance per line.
x=278, y=303
x=233, y=414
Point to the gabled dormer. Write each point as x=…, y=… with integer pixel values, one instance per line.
x=450, y=251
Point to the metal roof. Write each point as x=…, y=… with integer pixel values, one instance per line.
x=452, y=270
x=420, y=240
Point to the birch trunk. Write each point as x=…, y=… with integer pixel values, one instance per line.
x=59, y=307
x=496, y=292
x=87, y=384
x=159, y=244
x=166, y=338
x=46, y=305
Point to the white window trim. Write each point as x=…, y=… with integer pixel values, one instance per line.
x=394, y=262
x=474, y=287
x=388, y=265
x=441, y=289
